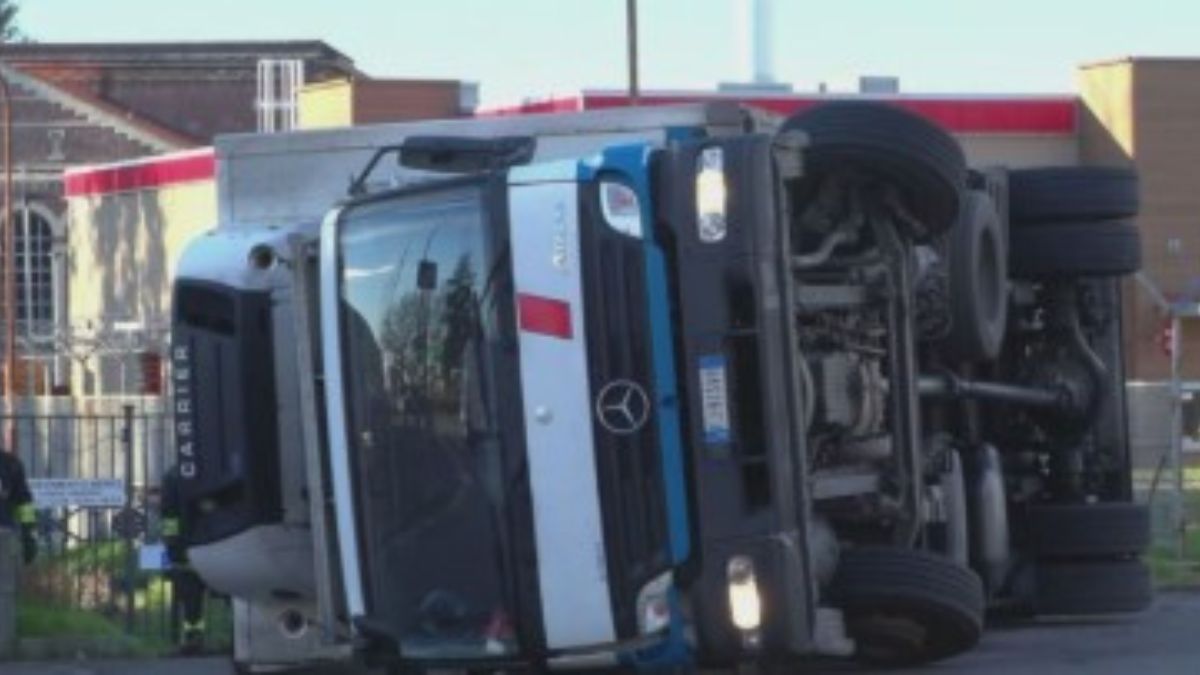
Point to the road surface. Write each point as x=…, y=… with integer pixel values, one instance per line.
x=1164, y=641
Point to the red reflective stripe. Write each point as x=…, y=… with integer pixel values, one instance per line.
x=156, y=172
x=544, y=315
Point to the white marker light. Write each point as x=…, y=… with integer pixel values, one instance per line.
x=745, y=604
x=711, y=195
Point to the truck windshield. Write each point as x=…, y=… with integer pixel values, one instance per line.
x=424, y=317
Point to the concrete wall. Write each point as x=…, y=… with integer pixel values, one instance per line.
x=122, y=249
x=1020, y=150
x=326, y=105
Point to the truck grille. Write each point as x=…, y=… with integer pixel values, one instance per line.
x=629, y=465
x=225, y=419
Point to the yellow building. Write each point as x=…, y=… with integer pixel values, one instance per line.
x=127, y=224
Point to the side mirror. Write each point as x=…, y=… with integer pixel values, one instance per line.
x=460, y=154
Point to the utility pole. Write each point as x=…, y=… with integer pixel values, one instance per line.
x=631, y=39
x=1180, y=507
x=10, y=287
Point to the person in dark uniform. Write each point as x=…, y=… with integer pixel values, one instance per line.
x=16, y=502
x=188, y=588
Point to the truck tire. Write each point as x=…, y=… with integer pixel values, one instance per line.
x=908, y=151
x=1098, y=587
x=905, y=607
x=978, y=253
x=1071, y=194
x=1087, y=530
x=1061, y=250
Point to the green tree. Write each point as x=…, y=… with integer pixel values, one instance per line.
x=9, y=32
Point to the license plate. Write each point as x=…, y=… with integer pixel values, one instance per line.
x=714, y=399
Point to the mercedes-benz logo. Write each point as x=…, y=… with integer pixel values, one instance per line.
x=622, y=407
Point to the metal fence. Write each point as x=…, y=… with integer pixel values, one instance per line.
x=100, y=577
x=1166, y=470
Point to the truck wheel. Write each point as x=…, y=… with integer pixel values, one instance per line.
x=1072, y=193
x=905, y=607
x=978, y=281
x=1058, y=250
x=908, y=151
x=1083, y=530
x=1098, y=587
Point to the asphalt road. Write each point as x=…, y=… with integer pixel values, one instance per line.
x=1163, y=641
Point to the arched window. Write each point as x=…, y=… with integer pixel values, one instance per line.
x=34, y=245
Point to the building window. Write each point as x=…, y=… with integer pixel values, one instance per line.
x=279, y=84
x=34, y=249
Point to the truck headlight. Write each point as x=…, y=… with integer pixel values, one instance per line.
x=654, y=604
x=745, y=603
x=711, y=195
x=621, y=209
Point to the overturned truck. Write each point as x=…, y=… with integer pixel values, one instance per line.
x=655, y=387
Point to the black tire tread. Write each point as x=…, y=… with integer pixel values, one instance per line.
x=1054, y=194
x=930, y=588
x=1087, y=530
x=1058, y=250
x=1086, y=588
x=905, y=148
x=974, y=336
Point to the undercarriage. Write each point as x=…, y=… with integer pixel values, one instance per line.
x=961, y=386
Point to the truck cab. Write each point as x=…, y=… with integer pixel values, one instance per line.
x=506, y=427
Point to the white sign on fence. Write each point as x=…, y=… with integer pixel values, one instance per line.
x=77, y=492
x=153, y=558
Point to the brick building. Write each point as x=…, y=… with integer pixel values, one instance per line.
x=1146, y=112
x=99, y=104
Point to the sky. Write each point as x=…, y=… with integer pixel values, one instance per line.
x=519, y=49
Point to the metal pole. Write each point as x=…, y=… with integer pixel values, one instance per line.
x=631, y=38
x=129, y=534
x=27, y=271
x=1178, y=518
x=10, y=287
